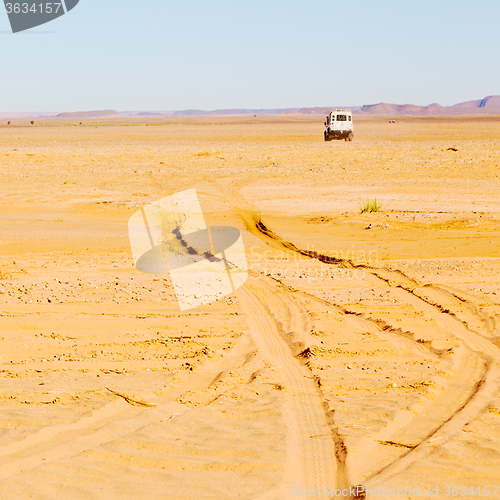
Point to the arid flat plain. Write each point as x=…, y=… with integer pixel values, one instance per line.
x=364, y=348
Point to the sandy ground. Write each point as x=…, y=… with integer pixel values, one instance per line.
x=363, y=350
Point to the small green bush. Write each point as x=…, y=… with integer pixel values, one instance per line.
x=370, y=206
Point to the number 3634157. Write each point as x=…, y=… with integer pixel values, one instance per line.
x=33, y=8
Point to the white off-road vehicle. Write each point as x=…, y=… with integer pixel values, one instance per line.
x=339, y=125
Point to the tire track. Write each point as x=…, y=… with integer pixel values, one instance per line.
x=440, y=314
x=108, y=432
x=476, y=405
x=395, y=279
x=104, y=424
x=299, y=317
x=311, y=462
x=380, y=328
x=476, y=377
x=412, y=426
x=450, y=401
x=404, y=285
x=472, y=384
x=297, y=333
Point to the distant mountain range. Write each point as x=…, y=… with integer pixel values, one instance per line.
x=89, y=115
x=488, y=105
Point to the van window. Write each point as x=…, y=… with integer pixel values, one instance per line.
x=349, y=118
x=341, y=118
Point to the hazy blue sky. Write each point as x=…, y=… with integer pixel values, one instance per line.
x=166, y=55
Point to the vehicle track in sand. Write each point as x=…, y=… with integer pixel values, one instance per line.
x=463, y=394
x=478, y=401
x=280, y=329
x=112, y=421
x=407, y=288
x=428, y=295
x=474, y=376
x=312, y=463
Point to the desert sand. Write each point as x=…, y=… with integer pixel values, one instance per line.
x=364, y=348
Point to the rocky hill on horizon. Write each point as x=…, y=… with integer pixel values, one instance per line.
x=487, y=105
